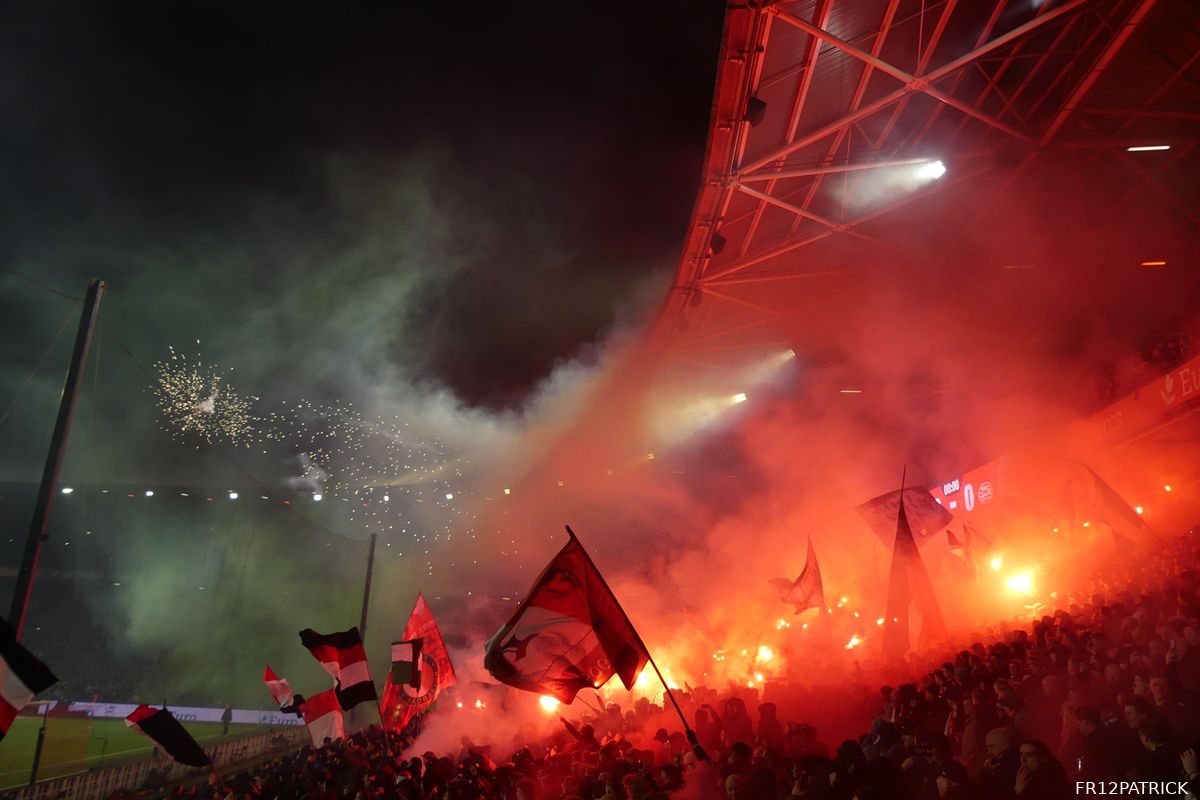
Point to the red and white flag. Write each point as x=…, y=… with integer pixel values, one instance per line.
x=343, y=657
x=568, y=634
x=421, y=669
x=22, y=676
x=278, y=687
x=323, y=716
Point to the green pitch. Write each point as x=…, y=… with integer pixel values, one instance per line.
x=75, y=745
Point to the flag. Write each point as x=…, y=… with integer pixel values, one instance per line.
x=323, y=716
x=568, y=634
x=278, y=687
x=964, y=554
x=406, y=694
x=22, y=676
x=908, y=583
x=806, y=591
x=157, y=725
x=973, y=538
x=342, y=655
x=1103, y=504
x=926, y=516
x=406, y=663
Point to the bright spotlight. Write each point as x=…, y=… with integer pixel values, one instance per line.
x=318, y=497
x=67, y=490
x=1167, y=488
x=1022, y=583
x=548, y=703
x=1138, y=509
x=233, y=495
x=997, y=563
x=449, y=495
x=740, y=397
x=149, y=493
x=765, y=653
x=931, y=170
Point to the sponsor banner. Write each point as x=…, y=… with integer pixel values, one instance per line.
x=241, y=716
x=1155, y=401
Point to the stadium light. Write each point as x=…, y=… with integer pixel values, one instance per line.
x=149, y=493
x=931, y=170
x=449, y=495
x=67, y=490
x=233, y=495
x=387, y=498
x=318, y=497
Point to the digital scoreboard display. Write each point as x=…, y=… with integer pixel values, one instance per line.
x=970, y=491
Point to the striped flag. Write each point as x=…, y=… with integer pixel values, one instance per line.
x=406, y=663
x=323, y=716
x=160, y=727
x=22, y=676
x=342, y=655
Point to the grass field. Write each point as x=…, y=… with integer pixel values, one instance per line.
x=74, y=745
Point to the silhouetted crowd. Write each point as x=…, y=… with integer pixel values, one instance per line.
x=1105, y=691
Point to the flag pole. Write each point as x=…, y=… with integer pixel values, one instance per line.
x=691, y=734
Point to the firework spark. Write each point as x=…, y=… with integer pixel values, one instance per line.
x=198, y=404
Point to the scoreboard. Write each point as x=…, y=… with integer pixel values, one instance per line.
x=970, y=491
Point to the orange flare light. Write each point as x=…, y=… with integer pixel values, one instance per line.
x=548, y=703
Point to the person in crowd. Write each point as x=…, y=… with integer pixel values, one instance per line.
x=1040, y=776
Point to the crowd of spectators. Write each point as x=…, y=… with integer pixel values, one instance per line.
x=1105, y=690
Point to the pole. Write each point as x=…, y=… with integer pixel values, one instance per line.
x=54, y=459
x=362, y=624
x=691, y=734
x=362, y=632
x=37, y=748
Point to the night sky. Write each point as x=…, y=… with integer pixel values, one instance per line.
x=323, y=193
x=390, y=205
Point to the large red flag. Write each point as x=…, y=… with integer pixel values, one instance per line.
x=568, y=634
x=422, y=655
x=908, y=583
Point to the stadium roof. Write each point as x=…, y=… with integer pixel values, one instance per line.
x=833, y=122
